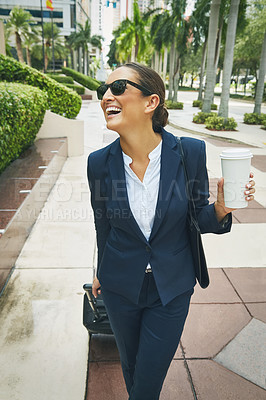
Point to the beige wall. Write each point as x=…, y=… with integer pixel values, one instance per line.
x=2, y=39
x=56, y=126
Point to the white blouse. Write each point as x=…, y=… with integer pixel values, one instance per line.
x=143, y=196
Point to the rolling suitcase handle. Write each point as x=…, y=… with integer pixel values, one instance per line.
x=95, y=317
x=92, y=301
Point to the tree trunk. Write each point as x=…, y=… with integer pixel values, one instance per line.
x=19, y=47
x=171, y=71
x=228, y=58
x=28, y=56
x=165, y=63
x=260, y=85
x=75, y=56
x=46, y=61
x=202, y=68
x=176, y=77
x=192, y=81
x=80, y=59
x=156, y=63
x=246, y=78
x=136, y=47
x=85, y=61
x=211, y=60
x=132, y=57
x=160, y=63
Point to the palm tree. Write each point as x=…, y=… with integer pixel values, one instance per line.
x=133, y=39
x=18, y=24
x=30, y=38
x=160, y=41
x=211, y=55
x=79, y=40
x=60, y=50
x=260, y=84
x=200, y=23
x=178, y=32
x=228, y=58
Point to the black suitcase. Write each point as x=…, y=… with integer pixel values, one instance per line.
x=95, y=317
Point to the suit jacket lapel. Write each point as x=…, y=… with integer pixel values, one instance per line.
x=170, y=162
x=119, y=189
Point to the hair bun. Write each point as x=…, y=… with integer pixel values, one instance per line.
x=165, y=115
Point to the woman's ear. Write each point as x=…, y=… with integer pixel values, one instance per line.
x=152, y=103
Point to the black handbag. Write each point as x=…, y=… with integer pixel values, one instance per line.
x=95, y=317
x=194, y=233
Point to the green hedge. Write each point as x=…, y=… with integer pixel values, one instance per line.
x=61, y=78
x=84, y=80
x=79, y=89
x=22, y=110
x=220, y=124
x=199, y=103
x=201, y=117
x=174, y=105
x=254, y=118
x=61, y=100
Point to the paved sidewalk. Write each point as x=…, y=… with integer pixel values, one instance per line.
x=44, y=347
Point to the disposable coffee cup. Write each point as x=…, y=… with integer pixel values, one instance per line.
x=236, y=164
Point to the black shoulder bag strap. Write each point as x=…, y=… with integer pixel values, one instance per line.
x=200, y=264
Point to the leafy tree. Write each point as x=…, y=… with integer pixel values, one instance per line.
x=212, y=55
x=250, y=45
x=228, y=59
x=60, y=50
x=18, y=24
x=191, y=63
x=159, y=41
x=133, y=38
x=200, y=24
x=178, y=31
x=79, y=40
x=30, y=38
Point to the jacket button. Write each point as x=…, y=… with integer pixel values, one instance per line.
x=148, y=249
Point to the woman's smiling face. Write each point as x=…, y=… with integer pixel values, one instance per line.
x=125, y=111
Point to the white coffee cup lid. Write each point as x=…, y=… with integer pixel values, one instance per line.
x=236, y=153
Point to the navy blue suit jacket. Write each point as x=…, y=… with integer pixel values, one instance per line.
x=123, y=251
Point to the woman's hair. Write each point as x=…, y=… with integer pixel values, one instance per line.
x=152, y=81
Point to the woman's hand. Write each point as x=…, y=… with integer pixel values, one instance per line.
x=220, y=209
x=96, y=287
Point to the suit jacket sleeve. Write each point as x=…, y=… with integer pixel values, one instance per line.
x=207, y=219
x=101, y=222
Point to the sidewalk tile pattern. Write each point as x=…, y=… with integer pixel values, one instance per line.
x=214, y=382
x=246, y=353
x=22, y=174
x=220, y=317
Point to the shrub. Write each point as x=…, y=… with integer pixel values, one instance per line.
x=84, y=80
x=174, y=105
x=201, y=117
x=61, y=100
x=254, y=118
x=61, y=78
x=197, y=103
x=79, y=89
x=220, y=124
x=22, y=110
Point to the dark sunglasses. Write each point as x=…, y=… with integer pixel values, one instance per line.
x=118, y=87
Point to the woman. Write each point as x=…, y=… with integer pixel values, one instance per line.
x=145, y=268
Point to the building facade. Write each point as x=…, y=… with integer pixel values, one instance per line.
x=66, y=13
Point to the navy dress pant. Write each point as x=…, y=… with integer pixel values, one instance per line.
x=147, y=336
